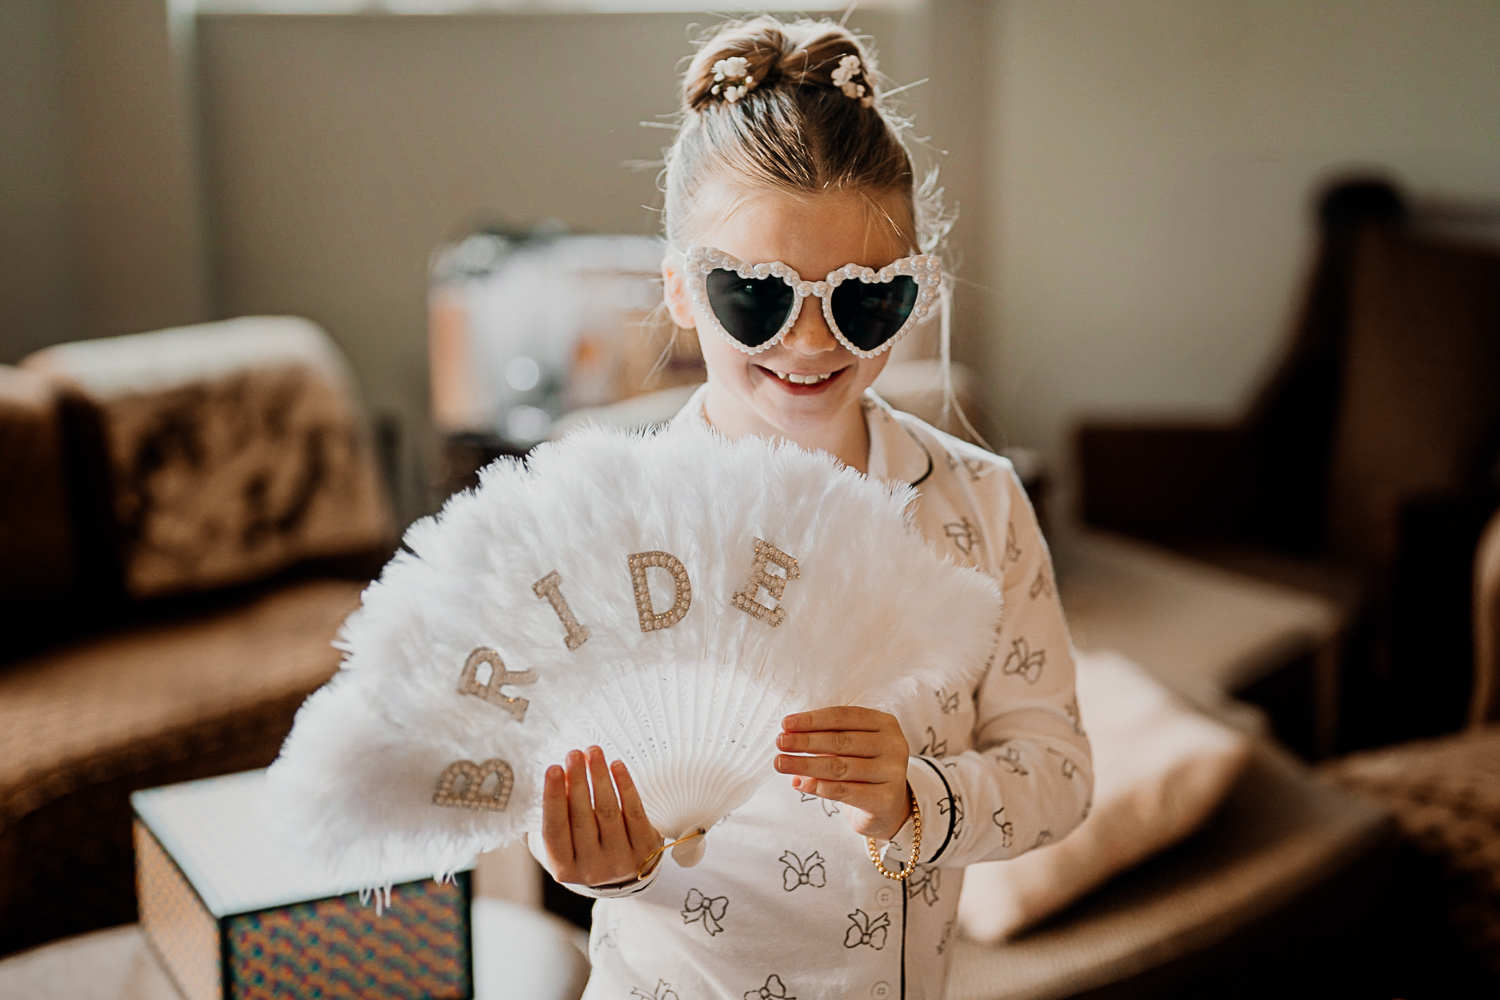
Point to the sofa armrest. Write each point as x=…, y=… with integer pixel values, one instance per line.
x=1429, y=607
x=37, y=547
x=1165, y=479
x=35, y=544
x=1485, y=703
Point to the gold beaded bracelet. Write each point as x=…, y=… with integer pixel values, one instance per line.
x=916, y=845
x=649, y=865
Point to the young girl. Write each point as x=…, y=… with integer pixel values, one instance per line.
x=787, y=154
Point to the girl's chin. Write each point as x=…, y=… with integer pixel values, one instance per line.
x=804, y=409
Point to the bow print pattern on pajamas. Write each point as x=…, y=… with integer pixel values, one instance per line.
x=785, y=902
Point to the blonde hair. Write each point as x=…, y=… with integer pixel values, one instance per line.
x=793, y=129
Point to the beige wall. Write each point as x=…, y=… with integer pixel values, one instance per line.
x=139, y=217
x=101, y=222
x=37, y=277
x=1152, y=166
x=955, y=113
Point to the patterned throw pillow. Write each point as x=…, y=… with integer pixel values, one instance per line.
x=1446, y=796
x=231, y=450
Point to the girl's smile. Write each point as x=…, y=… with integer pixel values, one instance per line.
x=801, y=383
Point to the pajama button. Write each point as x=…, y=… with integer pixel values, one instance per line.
x=880, y=990
x=886, y=896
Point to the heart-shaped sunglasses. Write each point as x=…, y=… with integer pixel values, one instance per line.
x=753, y=306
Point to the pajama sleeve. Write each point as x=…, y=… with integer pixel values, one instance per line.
x=1029, y=779
x=534, y=844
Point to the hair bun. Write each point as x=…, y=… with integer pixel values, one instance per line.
x=800, y=54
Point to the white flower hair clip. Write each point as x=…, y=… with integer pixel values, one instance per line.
x=732, y=78
x=843, y=78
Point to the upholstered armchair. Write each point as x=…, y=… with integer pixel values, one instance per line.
x=1366, y=466
x=1445, y=794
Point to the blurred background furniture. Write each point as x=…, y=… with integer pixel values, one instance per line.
x=1362, y=472
x=1376, y=875
x=527, y=326
x=1289, y=873
x=188, y=516
x=1445, y=794
x=1204, y=631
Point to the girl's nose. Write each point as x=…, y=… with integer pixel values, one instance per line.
x=810, y=334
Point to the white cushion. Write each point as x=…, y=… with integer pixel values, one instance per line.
x=1160, y=769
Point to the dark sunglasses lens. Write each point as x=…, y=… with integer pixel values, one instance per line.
x=870, y=313
x=751, y=309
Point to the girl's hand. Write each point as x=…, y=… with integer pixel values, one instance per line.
x=595, y=844
x=861, y=762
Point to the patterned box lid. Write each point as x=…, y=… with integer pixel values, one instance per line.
x=221, y=835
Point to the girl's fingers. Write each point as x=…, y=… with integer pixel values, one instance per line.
x=862, y=770
x=874, y=810
x=643, y=836
x=839, y=717
x=871, y=798
x=834, y=790
x=840, y=742
x=598, y=840
x=606, y=806
x=581, y=809
x=557, y=835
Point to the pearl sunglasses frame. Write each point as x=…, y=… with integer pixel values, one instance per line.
x=701, y=261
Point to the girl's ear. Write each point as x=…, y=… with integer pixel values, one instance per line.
x=679, y=306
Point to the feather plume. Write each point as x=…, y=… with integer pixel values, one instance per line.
x=693, y=708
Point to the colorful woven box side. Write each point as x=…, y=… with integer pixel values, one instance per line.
x=418, y=947
x=180, y=927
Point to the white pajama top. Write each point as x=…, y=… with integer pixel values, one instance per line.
x=785, y=903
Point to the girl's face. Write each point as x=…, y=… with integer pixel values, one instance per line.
x=814, y=234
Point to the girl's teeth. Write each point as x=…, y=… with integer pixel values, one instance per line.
x=802, y=379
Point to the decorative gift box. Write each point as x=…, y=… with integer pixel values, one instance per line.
x=235, y=915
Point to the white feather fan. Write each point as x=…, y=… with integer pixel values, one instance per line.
x=798, y=584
